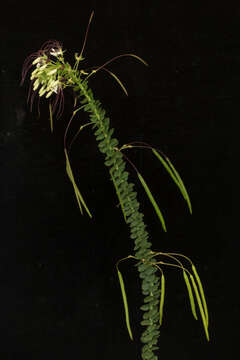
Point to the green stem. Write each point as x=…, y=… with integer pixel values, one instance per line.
x=134, y=218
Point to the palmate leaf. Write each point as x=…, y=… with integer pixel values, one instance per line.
x=175, y=176
x=151, y=198
x=78, y=195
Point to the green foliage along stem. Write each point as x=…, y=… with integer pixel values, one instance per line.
x=114, y=160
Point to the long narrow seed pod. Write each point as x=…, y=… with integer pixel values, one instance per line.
x=125, y=303
x=162, y=297
x=201, y=293
x=201, y=309
x=190, y=294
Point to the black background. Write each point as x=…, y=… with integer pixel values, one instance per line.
x=60, y=296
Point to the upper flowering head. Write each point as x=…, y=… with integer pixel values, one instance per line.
x=42, y=56
x=45, y=78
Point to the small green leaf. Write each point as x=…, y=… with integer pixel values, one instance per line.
x=124, y=296
x=162, y=296
x=76, y=190
x=147, y=338
x=119, y=196
x=146, y=322
x=190, y=294
x=151, y=198
x=100, y=137
x=113, y=142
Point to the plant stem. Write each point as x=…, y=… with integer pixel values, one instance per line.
x=114, y=160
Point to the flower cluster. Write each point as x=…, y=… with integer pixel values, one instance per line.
x=46, y=79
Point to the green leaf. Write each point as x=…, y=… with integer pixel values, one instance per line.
x=101, y=136
x=190, y=294
x=113, y=142
x=124, y=296
x=151, y=198
x=119, y=196
x=162, y=296
x=146, y=322
x=76, y=190
x=146, y=338
x=175, y=176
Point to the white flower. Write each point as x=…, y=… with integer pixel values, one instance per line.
x=36, y=84
x=53, y=85
x=51, y=72
x=37, y=60
x=56, y=52
x=49, y=94
x=42, y=91
x=38, y=71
